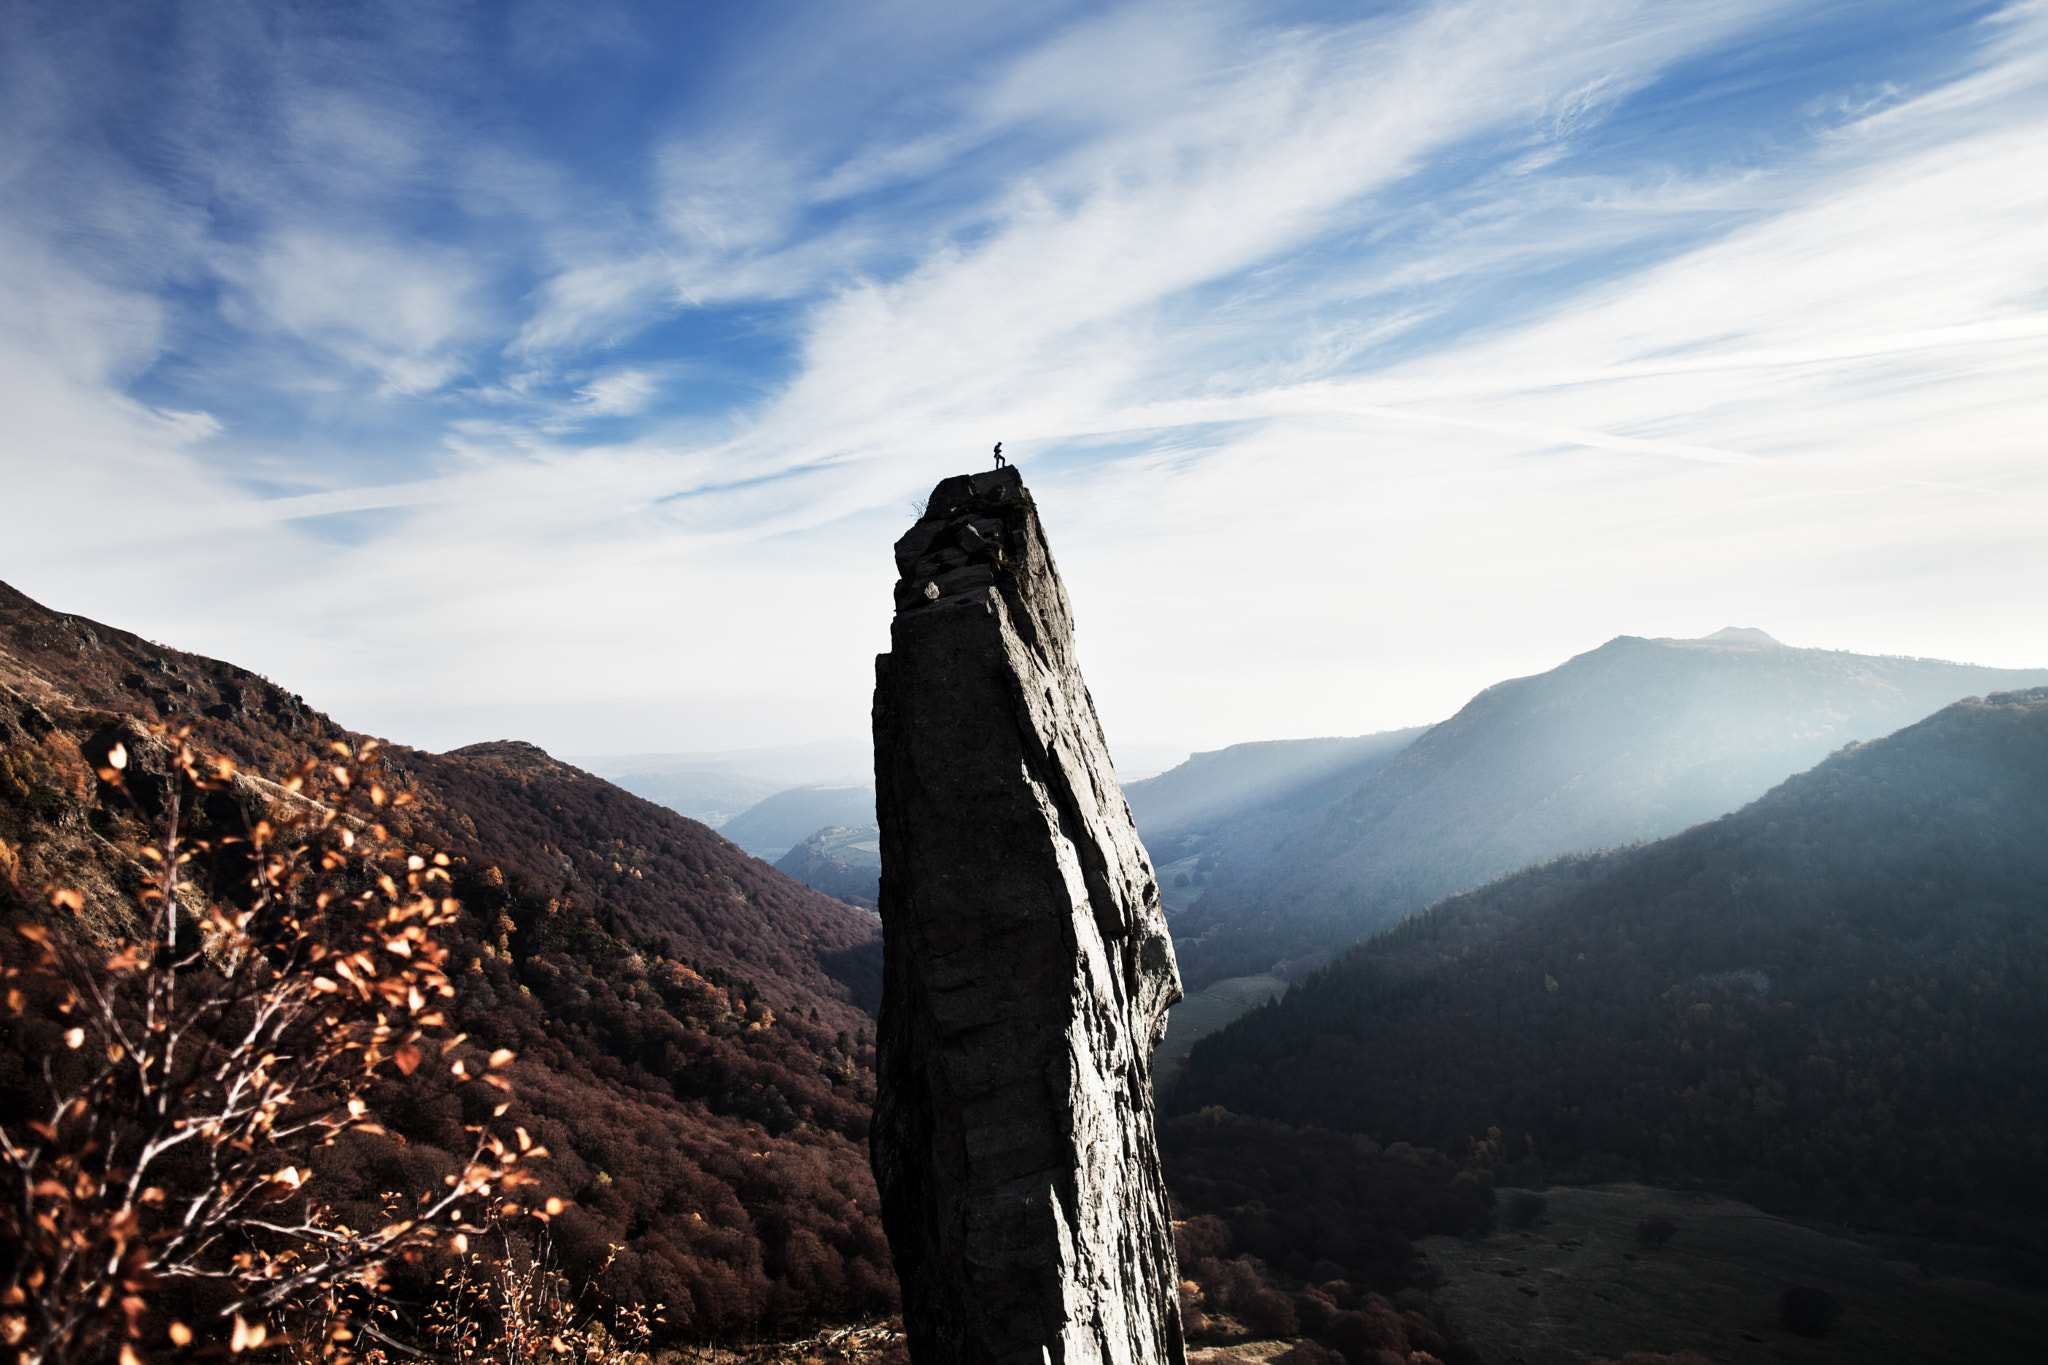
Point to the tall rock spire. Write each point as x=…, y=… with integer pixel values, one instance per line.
x=1028, y=967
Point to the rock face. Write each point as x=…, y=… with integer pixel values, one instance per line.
x=1028, y=967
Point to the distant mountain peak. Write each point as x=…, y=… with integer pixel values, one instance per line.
x=1741, y=635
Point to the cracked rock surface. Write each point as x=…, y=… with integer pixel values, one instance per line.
x=1028, y=967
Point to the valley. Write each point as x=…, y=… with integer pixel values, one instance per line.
x=1820, y=1004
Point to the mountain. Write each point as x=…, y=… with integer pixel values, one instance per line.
x=709, y=797
x=772, y=827
x=715, y=786
x=1833, y=998
x=1215, y=784
x=839, y=861
x=1237, y=805
x=1631, y=741
x=690, y=1043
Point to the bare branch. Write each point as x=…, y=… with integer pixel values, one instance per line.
x=244, y=1034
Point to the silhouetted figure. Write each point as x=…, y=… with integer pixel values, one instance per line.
x=1000, y=461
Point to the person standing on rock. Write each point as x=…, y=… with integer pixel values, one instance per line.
x=1000, y=461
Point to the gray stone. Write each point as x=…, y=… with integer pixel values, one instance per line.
x=1028, y=968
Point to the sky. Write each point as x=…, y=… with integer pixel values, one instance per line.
x=565, y=371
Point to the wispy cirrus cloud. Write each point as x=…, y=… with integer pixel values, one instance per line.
x=400, y=313
x=1370, y=358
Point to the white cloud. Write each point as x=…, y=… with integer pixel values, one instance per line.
x=618, y=394
x=1173, y=295
x=110, y=513
x=402, y=312
x=1060, y=301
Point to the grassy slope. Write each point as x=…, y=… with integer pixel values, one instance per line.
x=1578, y=1284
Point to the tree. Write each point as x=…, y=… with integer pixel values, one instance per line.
x=189, y=1071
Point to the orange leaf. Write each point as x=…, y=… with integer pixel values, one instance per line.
x=408, y=1058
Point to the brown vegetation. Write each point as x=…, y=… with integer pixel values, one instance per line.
x=1308, y=1231
x=187, y=1077
x=686, y=1052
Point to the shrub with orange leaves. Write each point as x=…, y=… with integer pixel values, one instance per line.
x=188, y=1076
x=517, y=1308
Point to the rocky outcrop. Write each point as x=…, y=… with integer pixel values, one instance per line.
x=1028, y=967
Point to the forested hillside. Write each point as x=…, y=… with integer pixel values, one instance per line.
x=1632, y=741
x=686, y=1051
x=668, y=876
x=1835, y=997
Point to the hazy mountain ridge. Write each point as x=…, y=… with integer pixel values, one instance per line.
x=718, y=785
x=1234, y=807
x=772, y=827
x=1219, y=782
x=1631, y=741
x=1834, y=996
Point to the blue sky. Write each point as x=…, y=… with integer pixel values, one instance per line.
x=564, y=371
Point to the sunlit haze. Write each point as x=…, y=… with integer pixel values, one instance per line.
x=564, y=372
